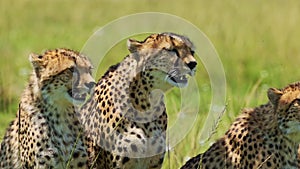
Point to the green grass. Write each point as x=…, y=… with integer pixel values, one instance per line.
x=257, y=41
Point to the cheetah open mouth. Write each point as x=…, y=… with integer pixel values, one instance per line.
x=178, y=81
x=77, y=95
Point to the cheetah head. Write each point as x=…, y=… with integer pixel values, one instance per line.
x=63, y=76
x=287, y=106
x=165, y=58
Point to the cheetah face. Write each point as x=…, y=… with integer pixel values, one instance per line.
x=290, y=123
x=177, y=74
x=166, y=57
x=63, y=76
x=82, y=84
x=287, y=103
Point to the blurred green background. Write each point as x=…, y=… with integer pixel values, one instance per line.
x=257, y=41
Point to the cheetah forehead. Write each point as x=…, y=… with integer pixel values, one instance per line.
x=168, y=39
x=83, y=61
x=292, y=87
x=64, y=58
x=180, y=38
x=290, y=93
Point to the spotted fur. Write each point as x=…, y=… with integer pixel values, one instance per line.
x=267, y=136
x=46, y=132
x=126, y=119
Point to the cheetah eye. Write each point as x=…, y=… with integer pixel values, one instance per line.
x=72, y=69
x=90, y=70
x=175, y=51
x=192, y=52
x=296, y=102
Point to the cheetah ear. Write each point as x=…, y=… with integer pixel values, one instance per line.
x=36, y=60
x=274, y=95
x=37, y=63
x=133, y=45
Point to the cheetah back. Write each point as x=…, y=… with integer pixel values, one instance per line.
x=263, y=137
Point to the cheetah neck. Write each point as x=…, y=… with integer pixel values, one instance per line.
x=265, y=118
x=145, y=103
x=30, y=95
x=61, y=122
x=33, y=100
x=140, y=93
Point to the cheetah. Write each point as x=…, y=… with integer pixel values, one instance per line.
x=267, y=136
x=46, y=132
x=126, y=120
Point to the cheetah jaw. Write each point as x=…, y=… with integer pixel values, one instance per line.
x=178, y=81
x=77, y=96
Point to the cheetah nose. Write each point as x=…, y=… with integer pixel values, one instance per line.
x=90, y=85
x=192, y=65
